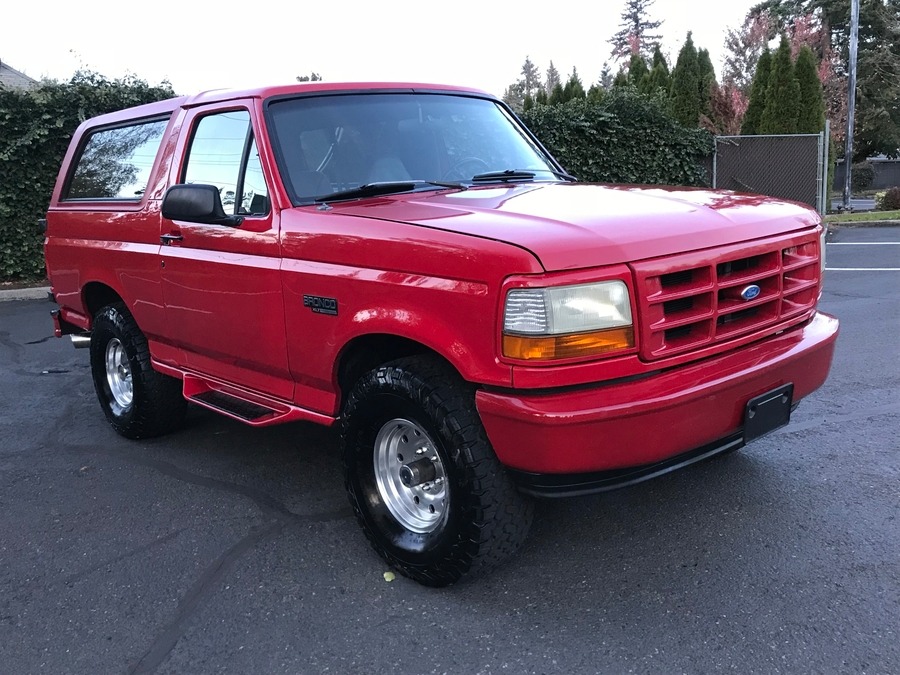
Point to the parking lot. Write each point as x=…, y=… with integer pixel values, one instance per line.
x=227, y=549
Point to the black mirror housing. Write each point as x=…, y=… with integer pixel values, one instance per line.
x=197, y=203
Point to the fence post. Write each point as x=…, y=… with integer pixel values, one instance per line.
x=826, y=188
x=715, y=155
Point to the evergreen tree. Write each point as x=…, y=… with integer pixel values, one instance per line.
x=811, y=119
x=685, y=94
x=637, y=70
x=621, y=79
x=707, y=81
x=635, y=34
x=541, y=98
x=558, y=95
x=531, y=77
x=658, y=80
x=574, y=88
x=528, y=84
x=757, y=103
x=514, y=96
x=660, y=60
x=878, y=63
x=659, y=74
x=312, y=77
x=782, y=95
x=606, y=77
x=528, y=104
x=552, y=78
x=596, y=93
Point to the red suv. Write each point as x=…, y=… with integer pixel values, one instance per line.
x=409, y=262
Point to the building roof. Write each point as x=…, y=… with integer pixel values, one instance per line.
x=13, y=79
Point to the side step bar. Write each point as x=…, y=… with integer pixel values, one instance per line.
x=245, y=410
x=245, y=406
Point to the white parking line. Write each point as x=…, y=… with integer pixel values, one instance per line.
x=863, y=269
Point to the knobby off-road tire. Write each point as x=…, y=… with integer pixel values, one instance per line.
x=466, y=517
x=138, y=401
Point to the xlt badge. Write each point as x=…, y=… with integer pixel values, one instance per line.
x=320, y=305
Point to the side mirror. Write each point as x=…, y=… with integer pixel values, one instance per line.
x=197, y=203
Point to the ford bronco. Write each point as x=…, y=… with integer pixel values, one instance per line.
x=407, y=261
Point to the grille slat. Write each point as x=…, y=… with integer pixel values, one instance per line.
x=676, y=278
x=694, y=300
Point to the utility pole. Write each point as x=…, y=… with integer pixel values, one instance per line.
x=851, y=101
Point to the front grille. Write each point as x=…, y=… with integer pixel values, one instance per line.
x=694, y=300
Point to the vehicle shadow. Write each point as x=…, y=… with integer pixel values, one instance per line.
x=652, y=537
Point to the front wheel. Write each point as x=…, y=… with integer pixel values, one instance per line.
x=422, y=478
x=138, y=401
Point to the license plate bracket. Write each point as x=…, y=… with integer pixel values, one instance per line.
x=767, y=412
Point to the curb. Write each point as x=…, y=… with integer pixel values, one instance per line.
x=39, y=293
x=865, y=223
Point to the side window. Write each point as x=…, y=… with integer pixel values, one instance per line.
x=223, y=153
x=116, y=163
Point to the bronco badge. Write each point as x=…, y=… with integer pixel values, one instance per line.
x=320, y=305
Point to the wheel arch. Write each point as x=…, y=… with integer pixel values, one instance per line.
x=95, y=295
x=366, y=352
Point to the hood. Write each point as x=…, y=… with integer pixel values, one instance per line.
x=577, y=225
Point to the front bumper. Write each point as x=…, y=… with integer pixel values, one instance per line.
x=664, y=419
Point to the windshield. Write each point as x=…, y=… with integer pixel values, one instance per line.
x=336, y=144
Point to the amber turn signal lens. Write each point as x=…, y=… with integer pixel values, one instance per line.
x=555, y=347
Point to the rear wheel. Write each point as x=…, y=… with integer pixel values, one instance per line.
x=138, y=401
x=422, y=478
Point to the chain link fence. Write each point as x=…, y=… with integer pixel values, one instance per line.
x=886, y=173
x=791, y=166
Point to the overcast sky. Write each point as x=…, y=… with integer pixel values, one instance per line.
x=199, y=45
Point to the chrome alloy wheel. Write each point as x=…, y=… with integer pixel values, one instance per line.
x=410, y=476
x=118, y=373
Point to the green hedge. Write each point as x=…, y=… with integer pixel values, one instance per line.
x=625, y=137
x=35, y=128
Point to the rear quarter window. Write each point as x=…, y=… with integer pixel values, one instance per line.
x=115, y=163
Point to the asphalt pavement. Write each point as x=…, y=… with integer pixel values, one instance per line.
x=222, y=548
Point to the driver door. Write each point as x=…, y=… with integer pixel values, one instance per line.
x=221, y=284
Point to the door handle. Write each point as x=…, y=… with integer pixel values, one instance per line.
x=167, y=239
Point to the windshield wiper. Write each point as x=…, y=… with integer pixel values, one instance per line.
x=385, y=188
x=517, y=175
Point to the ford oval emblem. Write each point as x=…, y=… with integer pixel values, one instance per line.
x=751, y=292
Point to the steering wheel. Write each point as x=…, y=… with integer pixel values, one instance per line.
x=455, y=173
